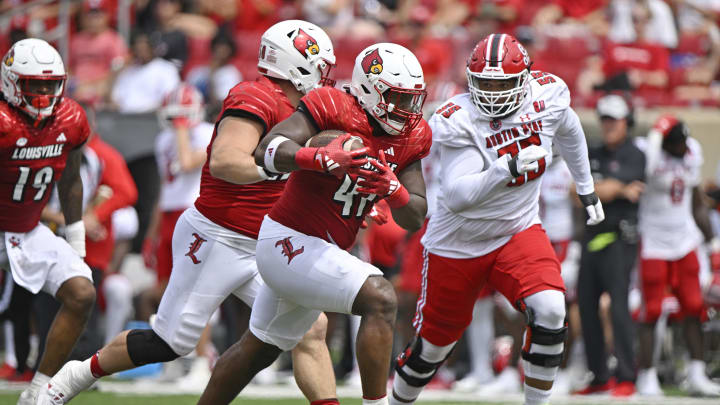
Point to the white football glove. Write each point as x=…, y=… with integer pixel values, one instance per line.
x=594, y=208
x=526, y=160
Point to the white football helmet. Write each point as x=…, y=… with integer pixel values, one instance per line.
x=388, y=82
x=185, y=101
x=33, y=77
x=297, y=51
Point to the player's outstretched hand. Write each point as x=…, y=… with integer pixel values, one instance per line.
x=526, y=160
x=332, y=158
x=375, y=216
x=383, y=183
x=594, y=208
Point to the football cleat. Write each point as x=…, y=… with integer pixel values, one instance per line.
x=73, y=378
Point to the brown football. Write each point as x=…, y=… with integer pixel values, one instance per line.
x=325, y=137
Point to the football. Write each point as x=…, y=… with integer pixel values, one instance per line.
x=325, y=137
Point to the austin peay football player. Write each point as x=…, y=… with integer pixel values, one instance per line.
x=301, y=246
x=214, y=240
x=494, y=145
x=41, y=144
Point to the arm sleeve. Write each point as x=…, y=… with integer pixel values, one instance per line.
x=465, y=180
x=571, y=143
x=117, y=176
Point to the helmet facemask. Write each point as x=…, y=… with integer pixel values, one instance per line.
x=399, y=109
x=498, y=103
x=40, y=94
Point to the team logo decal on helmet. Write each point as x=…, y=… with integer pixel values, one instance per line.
x=523, y=51
x=10, y=58
x=373, y=63
x=305, y=44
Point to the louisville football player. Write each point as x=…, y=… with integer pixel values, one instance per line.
x=495, y=144
x=303, y=240
x=214, y=241
x=41, y=145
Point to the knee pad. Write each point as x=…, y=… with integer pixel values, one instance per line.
x=145, y=346
x=542, y=336
x=416, y=371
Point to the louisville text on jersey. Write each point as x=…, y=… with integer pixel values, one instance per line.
x=37, y=152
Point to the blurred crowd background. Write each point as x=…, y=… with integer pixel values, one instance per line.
x=125, y=56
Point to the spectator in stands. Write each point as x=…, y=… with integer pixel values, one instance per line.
x=660, y=29
x=497, y=16
x=640, y=66
x=220, y=75
x=609, y=249
x=169, y=41
x=333, y=15
x=590, y=13
x=97, y=53
x=696, y=62
x=143, y=84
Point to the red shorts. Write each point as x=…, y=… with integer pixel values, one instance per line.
x=522, y=267
x=561, y=249
x=678, y=277
x=412, y=265
x=168, y=219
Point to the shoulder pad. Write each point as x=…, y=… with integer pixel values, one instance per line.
x=549, y=88
x=451, y=123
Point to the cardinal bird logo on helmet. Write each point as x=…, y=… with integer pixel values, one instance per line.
x=373, y=63
x=10, y=58
x=305, y=44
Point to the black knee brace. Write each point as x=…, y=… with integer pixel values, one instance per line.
x=145, y=346
x=545, y=337
x=410, y=358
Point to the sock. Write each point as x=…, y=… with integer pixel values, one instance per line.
x=329, y=401
x=38, y=382
x=405, y=391
x=94, y=364
x=696, y=369
x=375, y=401
x=535, y=396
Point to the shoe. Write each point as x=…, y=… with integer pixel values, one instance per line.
x=28, y=397
x=73, y=378
x=647, y=383
x=6, y=371
x=507, y=382
x=597, y=388
x=469, y=383
x=353, y=379
x=698, y=383
x=623, y=389
x=24, y=377
x=198, y=376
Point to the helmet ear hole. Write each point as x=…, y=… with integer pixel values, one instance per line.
x=365, y=89
x=303, y=71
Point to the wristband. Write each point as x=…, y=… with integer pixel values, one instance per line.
x=271, y=151
x=75, y=237
x=399, y=198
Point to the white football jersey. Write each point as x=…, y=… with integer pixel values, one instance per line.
x=179, y=190
x=480, y=206
x=667, y=225
x=556, y=207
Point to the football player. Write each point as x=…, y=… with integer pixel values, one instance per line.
x=214, y=241
x=674, y=221
x=494, y=146
x=42, y=138
x=302, y=241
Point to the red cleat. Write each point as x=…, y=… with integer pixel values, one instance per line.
x=598, y=388
x=623, y=389
x=23, y=377
x=6, y=371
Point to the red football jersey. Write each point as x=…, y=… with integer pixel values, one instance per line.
x=324, y=206
x=241, y=207
x=33, y=159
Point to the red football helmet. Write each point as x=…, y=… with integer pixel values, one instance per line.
x=185, y=101
x=498, y=72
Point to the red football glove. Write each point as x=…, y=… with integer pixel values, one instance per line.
x=383, y=183
x=149, y=252
x=375, y=215
x=331, y=158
